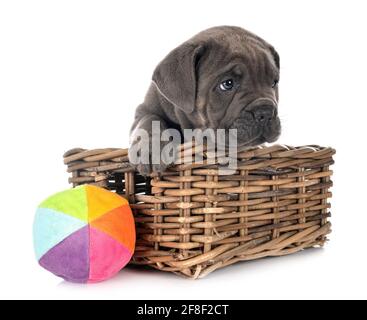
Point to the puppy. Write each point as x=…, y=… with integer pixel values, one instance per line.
x=223, y=78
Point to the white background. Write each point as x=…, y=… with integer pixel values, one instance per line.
x=72, y=73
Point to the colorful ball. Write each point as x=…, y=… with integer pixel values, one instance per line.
x=85, y=234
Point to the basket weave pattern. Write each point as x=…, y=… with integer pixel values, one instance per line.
x=191, y=220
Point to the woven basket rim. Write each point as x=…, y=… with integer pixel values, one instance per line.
x=272, y=151
x=117, y=158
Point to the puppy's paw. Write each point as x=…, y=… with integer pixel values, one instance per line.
x=144, y=169
x=148, y=169
x=145, y=164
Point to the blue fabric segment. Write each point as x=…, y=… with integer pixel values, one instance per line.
x=51, y=227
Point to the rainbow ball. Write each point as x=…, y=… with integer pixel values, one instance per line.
x=85, y=234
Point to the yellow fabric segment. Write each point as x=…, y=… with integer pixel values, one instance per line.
x=101, y=201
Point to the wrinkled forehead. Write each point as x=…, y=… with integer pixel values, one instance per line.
x=251, y=57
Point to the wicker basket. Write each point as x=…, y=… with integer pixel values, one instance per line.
x=191, y=220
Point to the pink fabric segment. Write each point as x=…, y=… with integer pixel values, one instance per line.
x=107, y=256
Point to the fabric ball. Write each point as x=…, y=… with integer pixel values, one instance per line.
x=85, y=234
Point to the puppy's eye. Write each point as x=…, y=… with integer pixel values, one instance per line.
x=275, y=83
x=227, y=85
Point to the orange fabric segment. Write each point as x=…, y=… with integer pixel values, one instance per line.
x=118, y=224
x=101, y=201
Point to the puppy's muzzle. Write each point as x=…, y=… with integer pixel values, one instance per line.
x=263, y=110
x=264, y=114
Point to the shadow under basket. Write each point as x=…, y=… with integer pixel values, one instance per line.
x=194, y=219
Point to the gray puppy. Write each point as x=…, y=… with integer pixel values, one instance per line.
x=223, y=78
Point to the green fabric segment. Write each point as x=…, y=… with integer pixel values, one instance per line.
x=72, y=202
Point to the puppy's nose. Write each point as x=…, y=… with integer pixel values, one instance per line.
x=263, y=114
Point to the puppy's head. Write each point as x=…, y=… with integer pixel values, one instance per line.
x=225, y=78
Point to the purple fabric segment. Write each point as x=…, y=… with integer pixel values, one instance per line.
x=69, y=259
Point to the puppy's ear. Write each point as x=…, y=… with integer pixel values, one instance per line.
x=275, y=56
x=175, y=77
